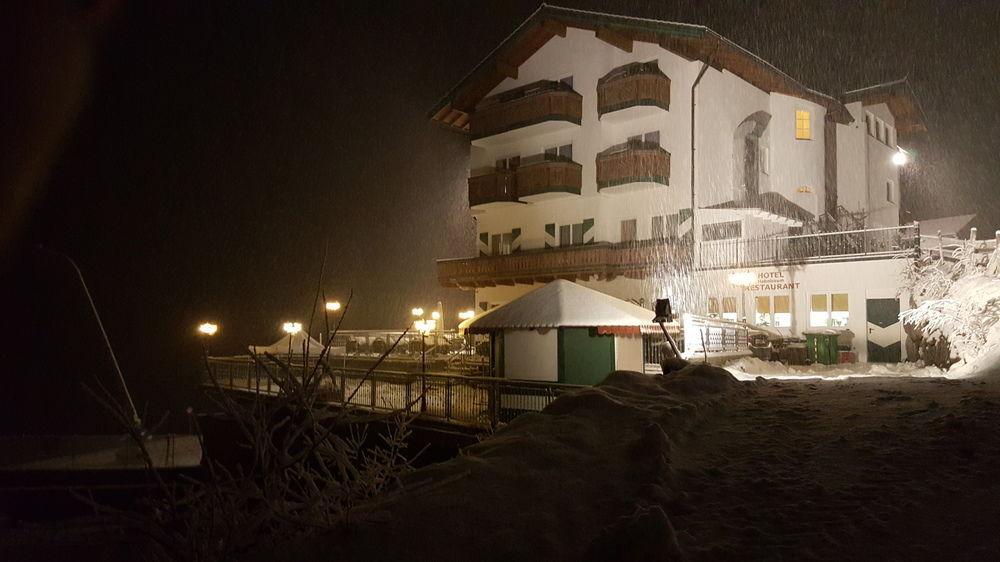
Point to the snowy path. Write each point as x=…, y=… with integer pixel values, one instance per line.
x=865, y=469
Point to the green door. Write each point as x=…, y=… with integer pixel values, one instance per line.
x=585, y=357
x=884, y=345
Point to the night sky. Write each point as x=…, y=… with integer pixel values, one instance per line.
x=224, y=143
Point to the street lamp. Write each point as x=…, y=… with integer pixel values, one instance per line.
x=333, y=306
x=424, y=327
x=291, y=328
x=901, y=157
x=417, y=311
x=206, y=330
x=435, y=315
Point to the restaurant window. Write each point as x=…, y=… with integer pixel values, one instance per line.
x=828, y=310
x=762, y=314
x=803, y=125
x=782, y=312
x=729, y=309
x=713, y=307
x=628, y=230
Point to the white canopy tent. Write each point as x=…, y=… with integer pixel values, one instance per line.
x=300, y=341
x=562, y=304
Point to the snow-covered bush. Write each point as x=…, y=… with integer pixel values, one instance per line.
x=957, y=300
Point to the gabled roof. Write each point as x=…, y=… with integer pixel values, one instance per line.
x=902, y=102
x=693, y=42
x=562, y=304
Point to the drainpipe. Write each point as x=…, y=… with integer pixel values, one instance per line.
x=701, y=73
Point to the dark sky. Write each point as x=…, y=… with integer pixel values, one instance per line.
x=225, y=142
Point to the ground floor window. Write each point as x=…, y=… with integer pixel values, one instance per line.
x=828, y=310
x=729, y=309
x=773, y=311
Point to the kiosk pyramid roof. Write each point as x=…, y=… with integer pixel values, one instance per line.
x=280, y=347
x=563, y=303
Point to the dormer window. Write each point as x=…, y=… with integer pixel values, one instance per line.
x=803, y=125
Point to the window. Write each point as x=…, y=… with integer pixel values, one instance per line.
x=628, y=230
x=635, y=139
x=880, y=130
x=721, y=231
x=566, y=235
x=803, y=126
x=828, y=310
x=773, y=311
x=890, y=191
x=656, y=231
x=652, y=137
x=564, y=152
x=765, y=160
x=762, y=314
x=713, y=307
x=870, y=122
x=509, y=163
x=890, y=136
x=495, y=245
x=729, y=309
x=568, y=81
x=782, y=312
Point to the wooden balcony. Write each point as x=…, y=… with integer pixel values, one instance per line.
x=602, y=261
x=536, y=103
x=633, y=85
x=497, y=186
x=545, y=176
x=633, y=162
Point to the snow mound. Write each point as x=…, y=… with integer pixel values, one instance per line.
x=589, y=476
x=750, y=368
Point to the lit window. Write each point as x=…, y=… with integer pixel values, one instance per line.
x=729, y=308
x=803, y=129
x=829, y=310
x=818, y=311
x=762, y=316
x=713, y=307
x=782, y=312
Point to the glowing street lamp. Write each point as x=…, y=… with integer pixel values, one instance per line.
x=435, y=315
x=333, y=306
x=291, y=328
x=417, y=311
x=208, y=329
x=901, y=157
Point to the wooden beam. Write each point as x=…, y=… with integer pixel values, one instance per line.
x=614, y=39
x=507, y=69
x=555, y=27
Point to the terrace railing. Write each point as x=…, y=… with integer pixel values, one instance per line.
x=534, y=103
x=453, y=399
x=824, y=246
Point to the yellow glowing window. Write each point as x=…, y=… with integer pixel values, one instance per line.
x=803, y=130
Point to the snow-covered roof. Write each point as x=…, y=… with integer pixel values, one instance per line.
x=563, y=303
x=280, y=347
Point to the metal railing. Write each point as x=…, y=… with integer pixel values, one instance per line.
x=455, y=399
x=705, y=335
x=824, y=246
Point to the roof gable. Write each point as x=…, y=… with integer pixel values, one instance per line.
x=693, y=42
x=899, y=97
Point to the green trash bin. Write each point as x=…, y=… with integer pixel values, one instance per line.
x=821, y=347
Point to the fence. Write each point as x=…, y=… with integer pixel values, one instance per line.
x=824, y=246
x=460, y=400
x=704, y=335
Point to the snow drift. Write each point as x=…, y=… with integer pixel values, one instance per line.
x=588, y=476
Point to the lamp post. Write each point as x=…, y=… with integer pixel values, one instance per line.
x=206, y=330
x=332, y=306
x=291, y=328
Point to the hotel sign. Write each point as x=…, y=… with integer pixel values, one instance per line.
x=773, y=281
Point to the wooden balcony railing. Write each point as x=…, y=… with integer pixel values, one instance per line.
x=633, y=162
x=534, y=103
x=548, y=174
x=603, y=261
x=636, y=84
x=495, y=187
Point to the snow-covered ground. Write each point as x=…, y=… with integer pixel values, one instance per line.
x=700, y=466
x=749, y=368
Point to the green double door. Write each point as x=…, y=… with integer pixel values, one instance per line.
x=584, y=356
x=884, y=341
